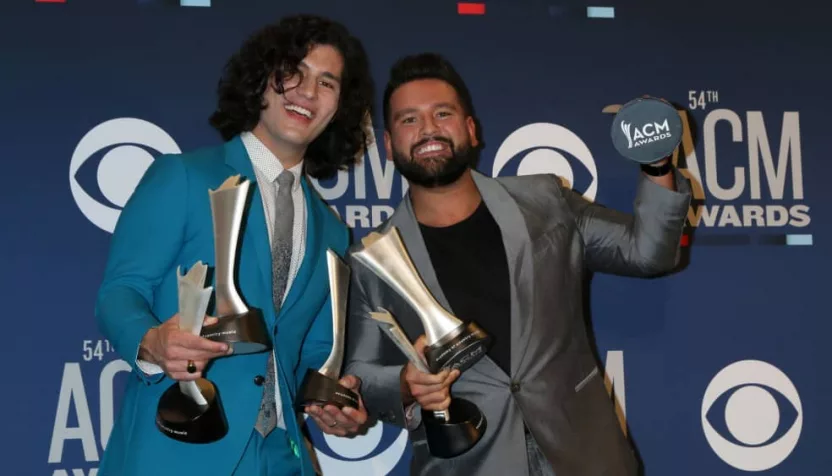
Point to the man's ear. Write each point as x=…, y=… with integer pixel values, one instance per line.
x=388, y=145
x=472, y=130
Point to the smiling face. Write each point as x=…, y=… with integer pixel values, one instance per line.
x=431, y=136
x=293, y=119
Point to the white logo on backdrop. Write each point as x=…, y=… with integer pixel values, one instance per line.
x=544, y=143
x=120, y=168
x=356, y=449
x=752, y=415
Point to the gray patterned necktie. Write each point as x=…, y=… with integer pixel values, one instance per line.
x=281, y=258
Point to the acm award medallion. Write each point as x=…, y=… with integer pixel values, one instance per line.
x=646, y=130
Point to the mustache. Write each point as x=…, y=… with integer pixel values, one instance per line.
x=429, y=139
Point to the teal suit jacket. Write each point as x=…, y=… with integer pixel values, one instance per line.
x=166, y=224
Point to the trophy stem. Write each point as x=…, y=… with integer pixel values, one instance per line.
x=387, y=257
x=227, y=209
x=339, y=275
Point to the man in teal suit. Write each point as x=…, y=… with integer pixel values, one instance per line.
x=291, y=104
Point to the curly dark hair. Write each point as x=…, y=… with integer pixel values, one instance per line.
x=425, y=66
x=276, y=51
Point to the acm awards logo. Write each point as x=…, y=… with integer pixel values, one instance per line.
x=646, y=134
x=745, y=172
x=752, y=415
x=758, y=184
x=82, y=408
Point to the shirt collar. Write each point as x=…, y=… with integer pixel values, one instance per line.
x=266, y=162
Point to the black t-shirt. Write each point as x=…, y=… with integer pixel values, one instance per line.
x=471, y=266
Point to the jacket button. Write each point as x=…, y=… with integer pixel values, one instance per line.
x=515, y=387
x=258, y=380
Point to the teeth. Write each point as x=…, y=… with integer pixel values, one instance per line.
x=299, y=110
x=431, y=148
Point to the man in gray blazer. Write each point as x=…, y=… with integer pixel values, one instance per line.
x=511, y=254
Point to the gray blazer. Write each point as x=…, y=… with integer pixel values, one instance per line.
x=552, y=236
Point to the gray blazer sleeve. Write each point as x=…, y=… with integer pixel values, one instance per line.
x=644, y=243
x=365, y=349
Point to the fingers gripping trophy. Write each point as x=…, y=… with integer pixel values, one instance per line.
x=451, y=342
x=192, y=411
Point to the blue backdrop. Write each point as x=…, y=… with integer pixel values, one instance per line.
x=715, y=369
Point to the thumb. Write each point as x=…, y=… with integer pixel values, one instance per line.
x=174, y=320
x=420, y=344
x=209, y=321
x=351, y=382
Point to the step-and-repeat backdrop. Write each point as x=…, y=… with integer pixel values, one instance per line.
x=716, y=369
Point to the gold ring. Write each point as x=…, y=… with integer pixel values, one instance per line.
x=191, y=367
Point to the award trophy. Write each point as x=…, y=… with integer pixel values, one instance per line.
x=191, y=411
x=453, y=431
x=451, y=343
x=241, y=327
x=646, y=130
x=321, y=387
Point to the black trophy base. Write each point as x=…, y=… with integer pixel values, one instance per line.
x=180, y=418
x=461, y=352
x=319, y=390
x=465, y=428
x=245, y=333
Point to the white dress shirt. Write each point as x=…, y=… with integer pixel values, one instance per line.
x=266, y=170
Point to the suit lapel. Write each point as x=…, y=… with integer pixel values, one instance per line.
x=255, y=234
x=314, y=226
x=405, y=220
x=517, y=245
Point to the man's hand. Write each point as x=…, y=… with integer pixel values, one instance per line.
x=668, y=180
x=344, y=422
x=171, y=349
x=431, y=391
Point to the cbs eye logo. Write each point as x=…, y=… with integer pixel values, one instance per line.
x=543, y=146
x=752, y=415
x=381, y=450
x=114, y=155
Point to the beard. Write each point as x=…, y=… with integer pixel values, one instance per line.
x=435, y=171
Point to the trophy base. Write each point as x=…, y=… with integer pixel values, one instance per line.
x=467, y=346
x=447, y=439
x=318, y=389
x=245, y=333
x=182, y=419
